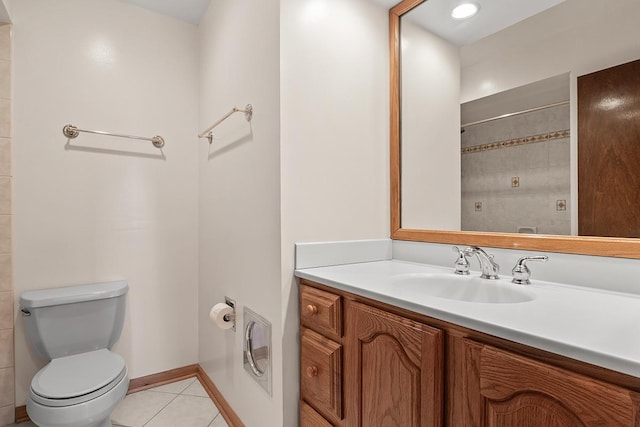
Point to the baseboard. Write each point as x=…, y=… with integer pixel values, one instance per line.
x=227, y=412
x=162, y=378
x=166, y=377
x=21, y=414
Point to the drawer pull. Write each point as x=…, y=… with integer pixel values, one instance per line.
x=312, y=371
x=312, y=310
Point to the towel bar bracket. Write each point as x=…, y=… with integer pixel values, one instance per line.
x=248, y=114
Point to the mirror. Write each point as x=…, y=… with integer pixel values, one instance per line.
x=515, y=160
x=431, y=78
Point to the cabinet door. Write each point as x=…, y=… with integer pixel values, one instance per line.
x=310, y=418
x=394, y=370
x=520, y=392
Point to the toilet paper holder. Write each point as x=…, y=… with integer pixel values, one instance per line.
x=231, y=317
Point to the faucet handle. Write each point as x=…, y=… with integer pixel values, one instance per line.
x=521, y=272
x=462, y=264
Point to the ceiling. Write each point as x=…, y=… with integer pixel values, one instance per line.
x=434, y=15
x=494, y=15
x=186, y=10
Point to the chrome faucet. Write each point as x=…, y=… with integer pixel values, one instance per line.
x=489, y=267
x=521, y=272
x=462, y=263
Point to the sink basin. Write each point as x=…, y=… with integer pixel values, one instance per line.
x=460, y=288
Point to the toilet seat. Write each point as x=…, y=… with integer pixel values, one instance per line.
x=78, y=378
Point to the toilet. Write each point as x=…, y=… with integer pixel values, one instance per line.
x=74, y=328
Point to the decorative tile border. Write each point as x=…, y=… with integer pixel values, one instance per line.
x=561, y=134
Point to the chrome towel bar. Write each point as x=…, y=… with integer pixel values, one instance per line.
x=248, y=114
x=71, y=132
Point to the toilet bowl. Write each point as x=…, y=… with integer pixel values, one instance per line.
x=74, y=328
x=80, y=390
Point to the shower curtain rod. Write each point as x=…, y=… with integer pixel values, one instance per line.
x=248, y=113
x=72, y=132
x=504, y=116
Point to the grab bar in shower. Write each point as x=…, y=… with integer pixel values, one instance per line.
x=71, y=132
x=248, y=113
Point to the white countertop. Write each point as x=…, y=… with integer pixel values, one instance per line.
x=594, y=326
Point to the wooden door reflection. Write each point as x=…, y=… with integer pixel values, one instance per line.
x=609, y=152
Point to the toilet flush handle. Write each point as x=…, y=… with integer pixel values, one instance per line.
x=25, y=312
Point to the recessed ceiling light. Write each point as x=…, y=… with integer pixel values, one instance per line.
x=465, y=10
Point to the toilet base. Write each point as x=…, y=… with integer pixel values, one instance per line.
x=93, y=413
x=104, y=423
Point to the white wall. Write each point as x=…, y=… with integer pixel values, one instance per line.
x=102, y=208
x=239, y=227
x=312, y=168
x=334, y=133
x=430, y=149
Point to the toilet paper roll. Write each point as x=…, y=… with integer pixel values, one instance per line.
x=218, y=313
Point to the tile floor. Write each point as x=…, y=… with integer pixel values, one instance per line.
x=184, y=403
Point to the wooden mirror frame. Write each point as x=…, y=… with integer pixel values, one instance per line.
x=584, y=245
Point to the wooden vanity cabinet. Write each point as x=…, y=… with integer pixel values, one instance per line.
x=380, y=365
x=386, y=370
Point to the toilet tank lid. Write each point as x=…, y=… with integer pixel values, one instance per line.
x=73, y=294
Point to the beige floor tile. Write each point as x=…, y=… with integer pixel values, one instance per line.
x=5, y=195
x=175, y=388
x=5, y=157
x=5, y=234
x=6, y=310
x=186, y=411
x=5, y=117
x=6, y=272
x=6, y=348
x=195, y=389
x=6, y=386
x=5, y=79
x=219, y=422
x=7, y=415
x=138, y=408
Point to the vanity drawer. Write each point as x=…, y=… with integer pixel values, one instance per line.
x=321, y=372
x=321, y=311
x=310, y=418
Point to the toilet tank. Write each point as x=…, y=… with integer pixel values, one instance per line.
x=74, y=319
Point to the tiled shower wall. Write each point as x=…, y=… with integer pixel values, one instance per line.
x=7, y=409
x=515, y=173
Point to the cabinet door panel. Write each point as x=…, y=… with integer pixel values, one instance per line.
x=310, y=418
x=395, y=370
x=520, y=392
x=530, y=410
